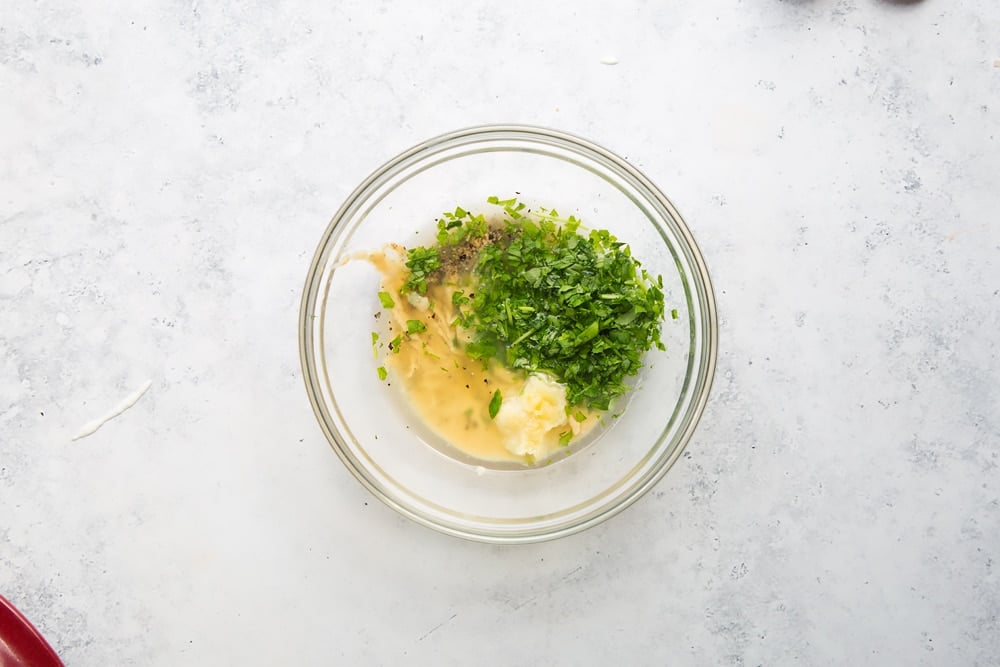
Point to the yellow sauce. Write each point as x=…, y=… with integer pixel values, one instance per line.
x=451, y=392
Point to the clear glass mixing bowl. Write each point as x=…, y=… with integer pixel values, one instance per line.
x=367, y=421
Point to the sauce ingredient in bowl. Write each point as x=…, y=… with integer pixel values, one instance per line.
x=512, y=336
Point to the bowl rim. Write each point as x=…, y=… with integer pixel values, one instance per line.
x=708, y=317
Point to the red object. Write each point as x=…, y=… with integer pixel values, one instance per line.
x=21, y=645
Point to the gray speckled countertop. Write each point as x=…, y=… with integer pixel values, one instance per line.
x=166, y=169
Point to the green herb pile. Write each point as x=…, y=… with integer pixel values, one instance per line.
x=541, y=296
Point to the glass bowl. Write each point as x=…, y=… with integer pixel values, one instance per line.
x=367, y=421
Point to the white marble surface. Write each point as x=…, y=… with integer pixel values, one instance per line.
x=166, y=169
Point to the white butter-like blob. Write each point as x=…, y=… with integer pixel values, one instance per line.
x=527, y=420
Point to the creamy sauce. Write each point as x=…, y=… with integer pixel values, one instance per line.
x=451, y=392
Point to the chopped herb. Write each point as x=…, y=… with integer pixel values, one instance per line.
x=547, y=297
x=580, y=417
x=382, y=373
x=421, y=262
x=495, y=403
x=415, y=326
x=375, y=344
x=673, y=314
x=394, y=344
x=565, y=437
x=386, y=299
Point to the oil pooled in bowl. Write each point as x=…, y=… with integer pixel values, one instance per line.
x=452, y=393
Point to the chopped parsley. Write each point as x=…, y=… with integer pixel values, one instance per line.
x=421, y=262
x=386, y=299
x=495, y=404
x=539, y=295
x=382, y=373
